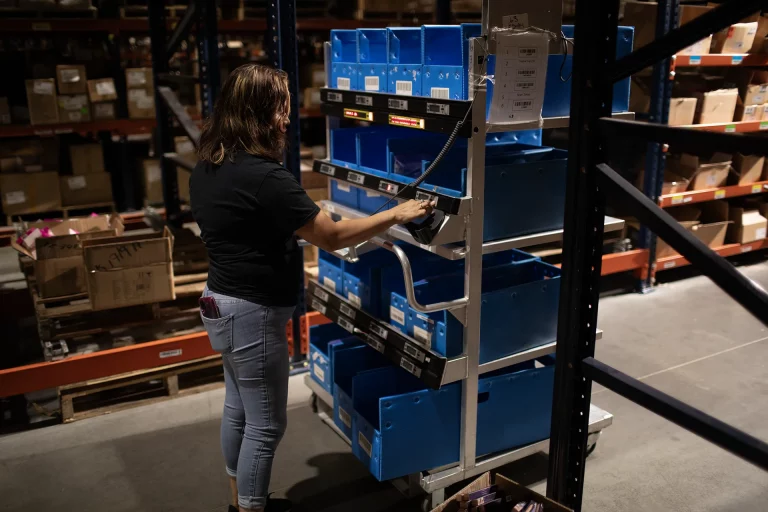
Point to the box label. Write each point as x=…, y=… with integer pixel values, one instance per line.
x=69, y=76
x=329, y=283
x=170, y=353
x=15, y=197
x=404, y=87
x=318, y=306
x=319, y=373
x=371, y=84
x=76, y=182
x=343, y=83
x=345, y=418
x=397, y=104
x=760, y=233
x=438, y=108
x=410, y=367
x=408, y=122
x=396, y=315
x=344, y=187
x=440, y=93
x=106, y=88
x=364, y=443
x=44, y=88
x=136, y=78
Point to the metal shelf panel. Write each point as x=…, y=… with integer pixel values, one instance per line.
x=712, y=194
x=547, y=123
x=456, y=252
x=598, y=420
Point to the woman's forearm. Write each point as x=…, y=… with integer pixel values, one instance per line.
x=352, y=232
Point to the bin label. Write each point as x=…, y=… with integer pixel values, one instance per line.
x=388, y=188
x=366, y=101
x=170, y=353
x=318, y=306
x=404, y=87
x=438, y=108
x=354, y=299
x=720, y=194
x=378, y=330
x=364, y=443
x=346, y=310
x=396, y=315
x=407, y=122
x=321, y=294
x=355, y=178
x=439, y=93
x=410, y=367
x=398, y=104
x=422, y=335
x=345, y=418
x=335, y=96
x=327, y=169
x=757, y=188
x=346, y=324
x=371, y=84
x=414, y=352
x=360, y=115
x=329, y=283
x=375, y=344
x=319, y=373
x=343, y=83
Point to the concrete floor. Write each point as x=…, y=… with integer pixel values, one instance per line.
x=687, y=339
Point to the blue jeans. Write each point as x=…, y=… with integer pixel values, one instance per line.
x=254, y=348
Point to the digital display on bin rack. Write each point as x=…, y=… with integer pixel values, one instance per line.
x=362, y=115
x=408, y=122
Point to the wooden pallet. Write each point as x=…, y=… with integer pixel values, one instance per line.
x=54, y=12
x=120, y=392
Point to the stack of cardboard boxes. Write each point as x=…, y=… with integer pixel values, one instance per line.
x=153, y=177
x=89, y=184
x=73, y=94
x=103, y=96
x=92, y=256
x=141, y=93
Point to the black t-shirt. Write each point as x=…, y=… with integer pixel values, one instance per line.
x=248, y=211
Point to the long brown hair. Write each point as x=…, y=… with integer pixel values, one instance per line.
x=250, y=115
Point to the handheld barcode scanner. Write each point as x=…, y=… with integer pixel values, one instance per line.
x=425, y=229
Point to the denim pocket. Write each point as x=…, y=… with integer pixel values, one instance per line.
x=219, y=332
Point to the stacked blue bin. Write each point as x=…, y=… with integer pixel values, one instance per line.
x=373, y=53
x=401, y=427
x=445, y=58
x=518, y=311
x=404, y=61
x=324, y=341
x=344, y=60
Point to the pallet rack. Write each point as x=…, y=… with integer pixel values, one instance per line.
x=591, y=183
x=460, y=237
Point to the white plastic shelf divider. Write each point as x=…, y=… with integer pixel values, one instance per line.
x=547, y=123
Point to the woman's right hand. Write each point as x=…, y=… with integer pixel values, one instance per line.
x=411, y=210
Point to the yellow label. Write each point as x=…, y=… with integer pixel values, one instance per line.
x=677, y=199
x=719, y=194
x=408, y=122
x=757, y=188
x=361, y=115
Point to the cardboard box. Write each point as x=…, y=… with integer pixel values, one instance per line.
x=30, y=192
x=642, y=16
x=129, y=270
x=748, y=113
x=717, y=106
x=747, y=169
x=739, y=39
x=59, y=268
x=703, y=173
x=310, y=179
x=41, y=99
x=74, y=108
x=29, y=155
x=748, y=225
x=318, y=194
x=5, y=111
x=755, y=94
x=141, y=103
x=714, y=224
x=86, y=158
x=71, y=79
x=153, y=182
x=139, y=78
x=101, y=90
x=682, y=111
x=700, y=48
x=312, y=98
x=106, y=110
x=759, y=46
x=688, y=217
x=86, y=189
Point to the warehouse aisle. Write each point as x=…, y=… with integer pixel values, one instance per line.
x=687, y=339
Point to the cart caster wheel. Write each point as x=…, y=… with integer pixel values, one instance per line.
x=313, y=403
x=426, y=504
x=590, y=449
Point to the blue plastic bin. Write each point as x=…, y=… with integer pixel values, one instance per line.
x=370, y=202
x=330, y=272
x=445, y=72
x=344, y=64
x=404, y=61
x=346, y=194
x=324, y=340
x=424, y=265
x=344, y=147
x=557, y=94
x=362, y=280
x=347, y=363
x=372, y=58
x=519, y=310
x=402, y=428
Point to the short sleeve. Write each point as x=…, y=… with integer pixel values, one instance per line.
x=288, y=204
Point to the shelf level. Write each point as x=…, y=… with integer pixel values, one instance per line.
x=725, y=251
x=700, y=196
x=721, y=60
x=735, y=127
x=117, y=126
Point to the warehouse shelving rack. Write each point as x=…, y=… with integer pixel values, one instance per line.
x=460, y=237
x=591, y=182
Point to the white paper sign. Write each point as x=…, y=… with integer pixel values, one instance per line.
x=516, y=21
x=15, y=197
x=76, y=182
x=520, y=76
x=40, y=87
x=105, y=88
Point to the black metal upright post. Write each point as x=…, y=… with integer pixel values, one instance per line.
x=283, y=53
x=443, y=12
x=656, y=156
x=592, y=96
x=164, y=132
x=208, y=54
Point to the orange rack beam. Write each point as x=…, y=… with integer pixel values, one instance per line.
x=726, y=250
x=736, y=127
x=700, y=196
x=721, y=60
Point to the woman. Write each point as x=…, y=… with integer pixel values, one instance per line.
x=250, y=209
